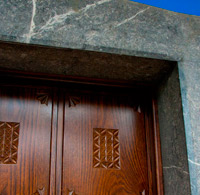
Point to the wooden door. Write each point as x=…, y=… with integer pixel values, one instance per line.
x=104, y=145
x=25, y=136
x=78, y=140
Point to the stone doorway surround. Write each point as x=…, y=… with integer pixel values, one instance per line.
x=152, y=75
x=132, y=29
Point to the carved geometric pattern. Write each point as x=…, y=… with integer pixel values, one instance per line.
x=73, y=101
x=40, y=191
x=106, y=150
x=71, y=192
x=9, y=137
x=43, y=97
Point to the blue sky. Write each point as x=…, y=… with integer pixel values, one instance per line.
x=191, y=7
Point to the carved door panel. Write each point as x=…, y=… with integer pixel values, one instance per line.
x=104, y=148
x=25, y=135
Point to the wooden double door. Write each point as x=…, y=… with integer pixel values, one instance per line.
x=75, y=140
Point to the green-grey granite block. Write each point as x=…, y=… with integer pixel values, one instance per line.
x=121, y=27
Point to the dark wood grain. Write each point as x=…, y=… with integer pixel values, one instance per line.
x=54, y=125
x=106, y=148
x=31, y=171
x=57, y=121
x=158, y=157
x=59, y=145
x=9, y=138
x=150, y=142
x=106, y=112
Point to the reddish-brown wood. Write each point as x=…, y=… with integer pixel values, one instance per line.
x=9, y=139
x=150, y=151
x=54, y=125
x=157, y=147
x=57, y=152
x=104, y=146
x=29, y=172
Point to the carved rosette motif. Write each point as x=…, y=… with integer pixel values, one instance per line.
x=9, y=137
x=43, y=97
x=71, y=192
x=40, y=191
x=137, y=105
x=106, y=150
x=73, y=101
x=137, y=108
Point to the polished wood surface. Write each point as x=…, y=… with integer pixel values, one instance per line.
x=158, y=157
x=59, y=151
x=95, y=117
x=30, y=172
x=54, y=126
x=73, y=138
x=9, y=138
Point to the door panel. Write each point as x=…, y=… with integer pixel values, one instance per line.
x=25, y=136
x=104, y=149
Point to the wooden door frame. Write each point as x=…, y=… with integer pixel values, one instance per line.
x=151, y=121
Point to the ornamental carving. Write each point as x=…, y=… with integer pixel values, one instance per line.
x=9, y=137
x=106, y=150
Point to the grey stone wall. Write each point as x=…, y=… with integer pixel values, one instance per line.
x=172, y=135
x=121, y=27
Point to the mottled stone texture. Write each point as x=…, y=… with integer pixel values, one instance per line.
x=121, y=27
x=190, y=87
x=40, y=59
x=172, y=135
x=105, y=25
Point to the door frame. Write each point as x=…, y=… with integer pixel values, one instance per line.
x=154, y=158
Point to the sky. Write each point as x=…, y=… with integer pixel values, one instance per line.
x=191, y=7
